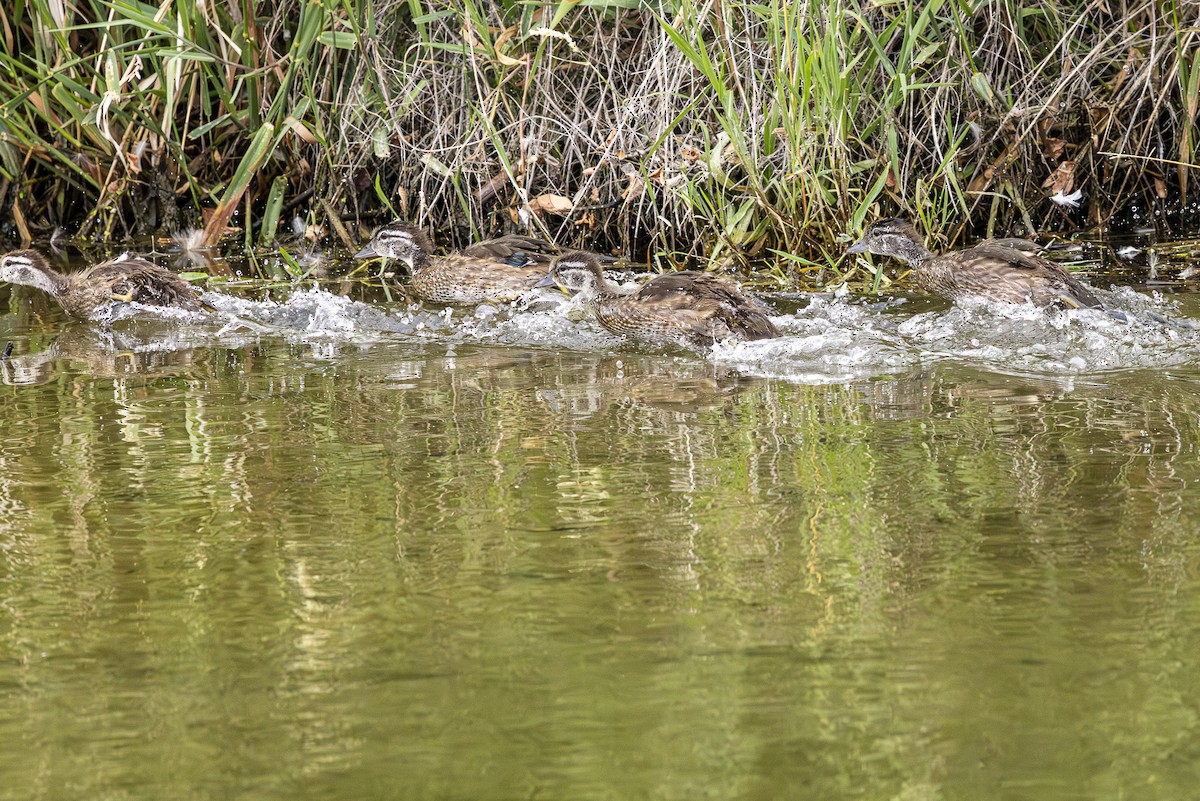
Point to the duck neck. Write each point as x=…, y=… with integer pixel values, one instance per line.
x=601, y=287
x=420, y=260
x=606, y=289
x=913, y=252
x=45, y=279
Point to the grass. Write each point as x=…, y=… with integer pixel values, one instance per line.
x=733, y=132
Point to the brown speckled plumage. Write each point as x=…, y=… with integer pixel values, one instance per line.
x=996, y=269
x=684, y=307
x=497, y=271
x=514, y=249
x=85, y=293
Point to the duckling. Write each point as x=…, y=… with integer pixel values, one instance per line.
x=85, y=293
x=498, y=270
x=688, y=307
x=995, y=269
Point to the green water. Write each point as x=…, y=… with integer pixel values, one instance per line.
x=410, y=569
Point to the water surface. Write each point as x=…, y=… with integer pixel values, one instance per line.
x=317, y=548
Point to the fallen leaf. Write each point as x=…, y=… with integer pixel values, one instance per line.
x=635, y=189
x=300, y=131
x=554, y=204
x=1053, y=147
x=508, y=61
x=1062, y=180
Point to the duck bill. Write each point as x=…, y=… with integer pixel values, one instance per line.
x=858, y=247
x=548, y=280
x=367, y=252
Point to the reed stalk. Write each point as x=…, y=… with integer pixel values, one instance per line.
x=752, y=134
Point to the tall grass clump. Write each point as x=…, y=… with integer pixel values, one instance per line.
x=733, y=129
x=121, y=118
x=728, y=130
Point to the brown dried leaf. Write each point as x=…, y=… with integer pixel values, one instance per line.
x=690, y=154
x=505, y=36
x=1160, y=188
x=1053, y=147
x=508, y=61
x=1061, y=180
x=1001, y=163
x=980, y=182
x=635, y=189
x=300, y=131
x=553, y=204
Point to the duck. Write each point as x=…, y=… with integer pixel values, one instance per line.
x=1009, y=270
x=498, y=270
x=87, y=293
x=687, y=307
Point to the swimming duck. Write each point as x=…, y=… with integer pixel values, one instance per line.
x=499, y=270
x=689, y=307
x=995, y=269
x=83, y=294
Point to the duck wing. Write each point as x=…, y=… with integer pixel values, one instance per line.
x=514, y=249
x=999, y=270
x=1014, y=242
x=675, y=288
x=519, y=250
x=141, y=281
x=700, y=296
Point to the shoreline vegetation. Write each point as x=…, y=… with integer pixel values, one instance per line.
x=739, y=134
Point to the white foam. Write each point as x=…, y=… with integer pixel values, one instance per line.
x=831, y=340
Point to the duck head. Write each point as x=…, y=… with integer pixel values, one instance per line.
x=398, y=240
x=576, y=271
x=28, y=268
x=892, y=237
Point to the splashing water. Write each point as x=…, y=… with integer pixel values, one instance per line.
x=834, y=340
x=831, y=340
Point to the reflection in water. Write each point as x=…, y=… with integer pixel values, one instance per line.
x=104, y=351
x=515, y=558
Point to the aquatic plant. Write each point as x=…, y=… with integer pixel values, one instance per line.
x=729, y=130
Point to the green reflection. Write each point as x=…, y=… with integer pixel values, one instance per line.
x=286, y=570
